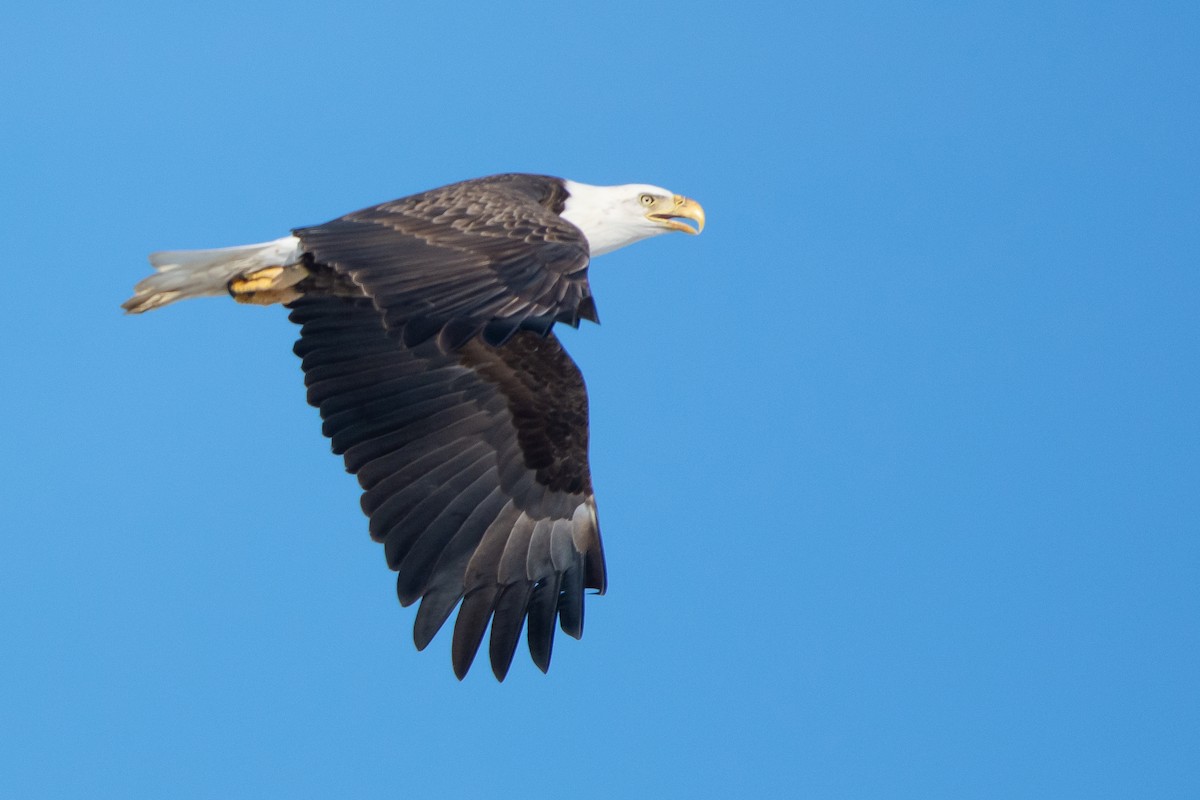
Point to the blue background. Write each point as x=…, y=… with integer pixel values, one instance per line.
x=897, y=463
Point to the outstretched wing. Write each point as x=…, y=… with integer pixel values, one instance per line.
x=474, y=471
x=488, y=256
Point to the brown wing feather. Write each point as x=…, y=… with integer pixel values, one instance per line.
x=474, y=469
x=488, y=256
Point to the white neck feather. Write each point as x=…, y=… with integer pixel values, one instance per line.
x=605, y=216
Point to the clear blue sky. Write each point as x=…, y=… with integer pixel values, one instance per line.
x=898, y=463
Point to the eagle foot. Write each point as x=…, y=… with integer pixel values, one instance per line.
x=267, y=286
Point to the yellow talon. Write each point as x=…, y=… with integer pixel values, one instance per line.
x=256, y=281
x=267, y=286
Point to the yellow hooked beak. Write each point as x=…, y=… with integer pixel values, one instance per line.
x=683, y=208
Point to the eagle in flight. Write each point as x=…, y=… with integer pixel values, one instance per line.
x=427, y=344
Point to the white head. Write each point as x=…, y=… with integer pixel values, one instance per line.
x=614, y=216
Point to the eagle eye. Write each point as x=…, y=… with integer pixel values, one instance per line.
x=647, y=199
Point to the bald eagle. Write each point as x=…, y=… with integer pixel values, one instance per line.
x=426, y=343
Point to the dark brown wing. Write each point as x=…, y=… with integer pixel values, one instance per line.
x=490, y=255
x=474, y=472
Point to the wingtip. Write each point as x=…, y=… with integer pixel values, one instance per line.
x=473, y=617
x=462, y=663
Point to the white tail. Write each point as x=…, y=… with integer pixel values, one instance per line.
x=180, y=274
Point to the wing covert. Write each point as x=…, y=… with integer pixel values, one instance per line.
x=487, y=256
